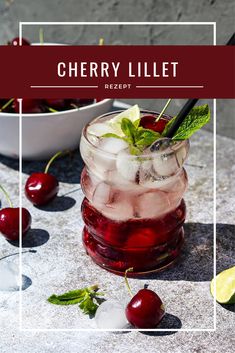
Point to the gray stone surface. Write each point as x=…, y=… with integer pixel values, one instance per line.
x=60, y=264
x=221, y=12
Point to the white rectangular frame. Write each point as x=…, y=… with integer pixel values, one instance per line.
x=21, y=24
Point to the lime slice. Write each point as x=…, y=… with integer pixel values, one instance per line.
x=133, y=114
x=114, y=125
x=225, y=286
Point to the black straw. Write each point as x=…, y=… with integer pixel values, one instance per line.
x=231, y=40
x=189, y=105
x=181, y=116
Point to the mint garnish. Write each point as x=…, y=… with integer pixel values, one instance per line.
x=87, y=298
x=136, y=136
x=139, y=138
x=195, y=120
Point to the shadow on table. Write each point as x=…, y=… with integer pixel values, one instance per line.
x=169, y=322
x=10, y=162
x=26, y=282
x=34, y=237
x=59, y=204
x=67, y=169
x=196, y=262
x=229, y=307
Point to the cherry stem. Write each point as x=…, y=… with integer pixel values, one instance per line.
x=74, y=106
x=7, y=196
x=126, y=280
x=41, y=36
x=7, y=104
x=52, y=110
x=93, y=288
x=101, y=41
x=58, y=154
x=163, y=110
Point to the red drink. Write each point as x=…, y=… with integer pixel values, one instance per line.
x=133, y=210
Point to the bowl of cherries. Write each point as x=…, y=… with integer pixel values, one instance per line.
x=48, y=125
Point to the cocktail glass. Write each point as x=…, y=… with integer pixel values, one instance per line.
x=133, y=208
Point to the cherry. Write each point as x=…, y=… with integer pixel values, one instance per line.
x=155, y=123
x=145, y=310
x=41, y=188
x=16, y=41
x=10, y=221
x=149, y=122
x=28, y=106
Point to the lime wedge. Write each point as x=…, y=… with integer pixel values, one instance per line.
x=114, y=125
x=133, y=114
x=225, y=286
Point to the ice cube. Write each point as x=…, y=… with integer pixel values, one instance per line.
x=127, y=165
x=99, y=129
x=116, y=179
x=119, y=210
x=111, y=315
x=146, y=172
x=119, y=207
x=152, y=204
x=165, y=164
x=181, y=155
x=161, y=144
x=101, y=195
x=112, y=145
x=100, y=163
x=9, y=276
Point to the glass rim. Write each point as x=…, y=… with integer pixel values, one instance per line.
x=166, y=152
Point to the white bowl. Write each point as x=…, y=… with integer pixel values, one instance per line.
x=44, y=134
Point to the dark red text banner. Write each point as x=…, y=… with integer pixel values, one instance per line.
x=117, y=72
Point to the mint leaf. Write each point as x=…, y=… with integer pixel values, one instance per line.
x=167, y=127
x=88, y=306
x=74, y=294
x=84, y=297
x=136, y=123
x=136, y=136
x=195, y=120
x=146, y=137
x=54, y=299
x=129, y=129
x=134, y=150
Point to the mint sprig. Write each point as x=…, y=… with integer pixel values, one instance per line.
x=139, y=138
x=88, y=299
x=136, y=136
x=195, y=120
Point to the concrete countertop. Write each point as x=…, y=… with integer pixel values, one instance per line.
x=60, y=264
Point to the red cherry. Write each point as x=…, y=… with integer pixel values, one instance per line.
x=145, y=310
x=28, y=106
x=16, y=41
x=149, y=122
x=41, y=188
x=9, y=222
